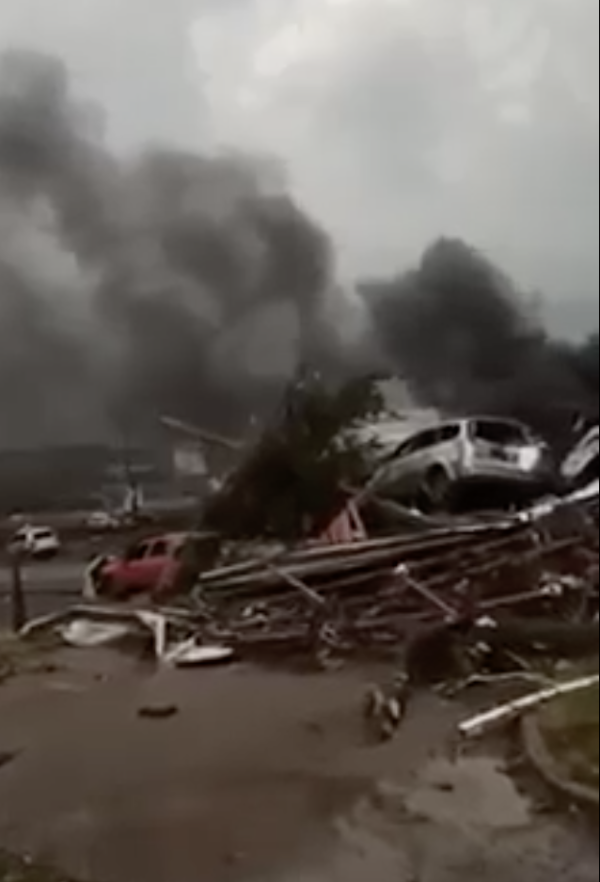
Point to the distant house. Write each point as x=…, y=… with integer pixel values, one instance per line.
x=189, y=459
x=76, y=476
x=198, y=456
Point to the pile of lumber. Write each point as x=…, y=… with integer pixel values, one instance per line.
x=373, y=594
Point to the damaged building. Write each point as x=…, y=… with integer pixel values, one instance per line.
x=86, y=477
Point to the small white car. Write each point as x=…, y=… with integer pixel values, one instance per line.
x=41, y=543
x=429, y=465
x=102, y=521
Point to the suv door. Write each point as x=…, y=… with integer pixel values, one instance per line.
x=408, y=464
x=447, y=449
x=415, y=458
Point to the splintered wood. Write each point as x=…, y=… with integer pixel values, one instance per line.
x=373, y=594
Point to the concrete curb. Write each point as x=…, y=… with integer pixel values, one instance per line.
x=542, y=761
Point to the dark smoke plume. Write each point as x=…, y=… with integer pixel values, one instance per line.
x=192, y=285
x=469, y=341
x=133, y=288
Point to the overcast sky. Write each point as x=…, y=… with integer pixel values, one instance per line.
x=397, y=120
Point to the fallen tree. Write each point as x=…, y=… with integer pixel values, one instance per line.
x=295, y=478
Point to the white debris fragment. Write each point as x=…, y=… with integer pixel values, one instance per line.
x=87, y=634
x=499, y=716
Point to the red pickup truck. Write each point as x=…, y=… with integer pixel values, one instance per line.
x=156, y=565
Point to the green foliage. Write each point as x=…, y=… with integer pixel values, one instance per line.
x=570, y=726
x=298, y=474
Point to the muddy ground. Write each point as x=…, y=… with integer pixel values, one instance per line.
x=258, y=777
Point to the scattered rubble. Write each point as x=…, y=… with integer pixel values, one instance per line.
x=306, y=573
x=385, y=708
x=475, y=596
x=375, y=595
x=171, y=637
x=158, y=712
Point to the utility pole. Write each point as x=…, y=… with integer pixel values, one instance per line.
x=132, y=488
x=17, y=593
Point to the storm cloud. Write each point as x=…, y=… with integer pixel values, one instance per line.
x=135, y=286
x=469, y=341
x=406, y=120
x=396, y=122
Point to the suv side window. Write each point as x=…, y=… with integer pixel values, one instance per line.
x=448, y=433
x=417, y=443
x=408, y=447
x=432, y=437
x=426, y=439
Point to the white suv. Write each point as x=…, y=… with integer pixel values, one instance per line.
x=37, y=542
x=432, y=463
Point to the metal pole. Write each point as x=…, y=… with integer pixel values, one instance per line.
x=17, y=592
x=132, y=487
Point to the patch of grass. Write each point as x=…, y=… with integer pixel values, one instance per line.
x=6, y=656
x=571, y=727
x=19, y=657
x=14, y=869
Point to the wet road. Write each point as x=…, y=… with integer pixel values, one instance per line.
x=258, y=777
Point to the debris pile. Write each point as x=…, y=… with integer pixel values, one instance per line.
x=516, y=584
x=300, y=575
x=375, y=594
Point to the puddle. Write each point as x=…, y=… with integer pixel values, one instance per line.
x=440, y=829
x=470, y=793
x=459, y=822
x=361, y=852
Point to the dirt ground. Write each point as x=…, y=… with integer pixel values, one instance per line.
x=257, y=777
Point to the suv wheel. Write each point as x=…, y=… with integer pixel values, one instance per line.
x=437, y=488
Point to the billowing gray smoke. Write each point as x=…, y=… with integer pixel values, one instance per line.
x=470, y=341
x=131, y=288
x=191, y=285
